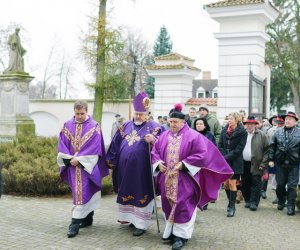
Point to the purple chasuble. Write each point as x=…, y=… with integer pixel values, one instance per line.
x=86, y=139
x=130, y=154
x=181, y=192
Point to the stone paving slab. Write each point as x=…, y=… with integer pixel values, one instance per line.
x=41, y=223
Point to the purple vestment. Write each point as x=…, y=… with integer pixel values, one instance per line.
x=86, y=140
x=180, y=191
x=130, y=155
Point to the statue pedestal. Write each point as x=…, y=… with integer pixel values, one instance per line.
x=14, y=116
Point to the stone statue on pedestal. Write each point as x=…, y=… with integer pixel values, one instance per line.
x=16, y=53
x=14, y=98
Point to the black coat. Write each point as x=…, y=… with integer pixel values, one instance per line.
x=285, y=146
x=210, y=136
x=232, y=147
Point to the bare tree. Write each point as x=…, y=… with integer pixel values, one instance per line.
x=138, y=51
x=49, y=70
x=67, y=79
x=57, y=71
x=36, y=91
x=64, y=73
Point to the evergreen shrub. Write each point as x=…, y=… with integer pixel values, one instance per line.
x=30, y=168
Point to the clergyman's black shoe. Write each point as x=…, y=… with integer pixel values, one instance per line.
x=86, y=222
x=280, y=206
x=170, y=238
x=178, y=243
x=73, y=230
x=138, y=232
x=131, y=225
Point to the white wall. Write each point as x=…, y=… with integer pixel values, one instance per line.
x=46, y=124
x=50, y=115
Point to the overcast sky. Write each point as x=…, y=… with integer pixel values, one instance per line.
x=62, y=21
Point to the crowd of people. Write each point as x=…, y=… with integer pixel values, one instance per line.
x=183, y=158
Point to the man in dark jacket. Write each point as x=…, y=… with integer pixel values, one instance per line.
x=255, y=157
x=285, y=150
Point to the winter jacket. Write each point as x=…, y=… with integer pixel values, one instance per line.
x=210, y=136
x=232, y=147
x=285, y=146
x=259, y=152
x=215, y=126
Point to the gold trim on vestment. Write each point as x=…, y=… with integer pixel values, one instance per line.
x=172, y=173
x=77, y=142
x=127, y=198
x=78, y=187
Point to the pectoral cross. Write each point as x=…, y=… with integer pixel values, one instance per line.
x=132, y=137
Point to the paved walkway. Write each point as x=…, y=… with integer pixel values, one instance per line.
x=41, y=223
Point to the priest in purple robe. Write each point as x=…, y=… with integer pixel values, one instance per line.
x=129, y=157
x=81, y=157
x=189, y=171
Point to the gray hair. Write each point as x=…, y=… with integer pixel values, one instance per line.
x=81, y=104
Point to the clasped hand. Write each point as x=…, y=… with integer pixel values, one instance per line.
x=271, y=164
x=149, y=138
x=110, y=165
x=74, y=161
x=163, y=168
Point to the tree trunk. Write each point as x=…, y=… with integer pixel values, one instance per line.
x=133, y=80
x=100, y=67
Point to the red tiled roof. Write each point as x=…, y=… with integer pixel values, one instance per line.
x=227, y=3
x=202, y=101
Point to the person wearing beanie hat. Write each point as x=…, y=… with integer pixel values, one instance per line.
x=213, y=122
x=176, y=112
x=285, y=151
x=177, y=157
x=129, y=157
